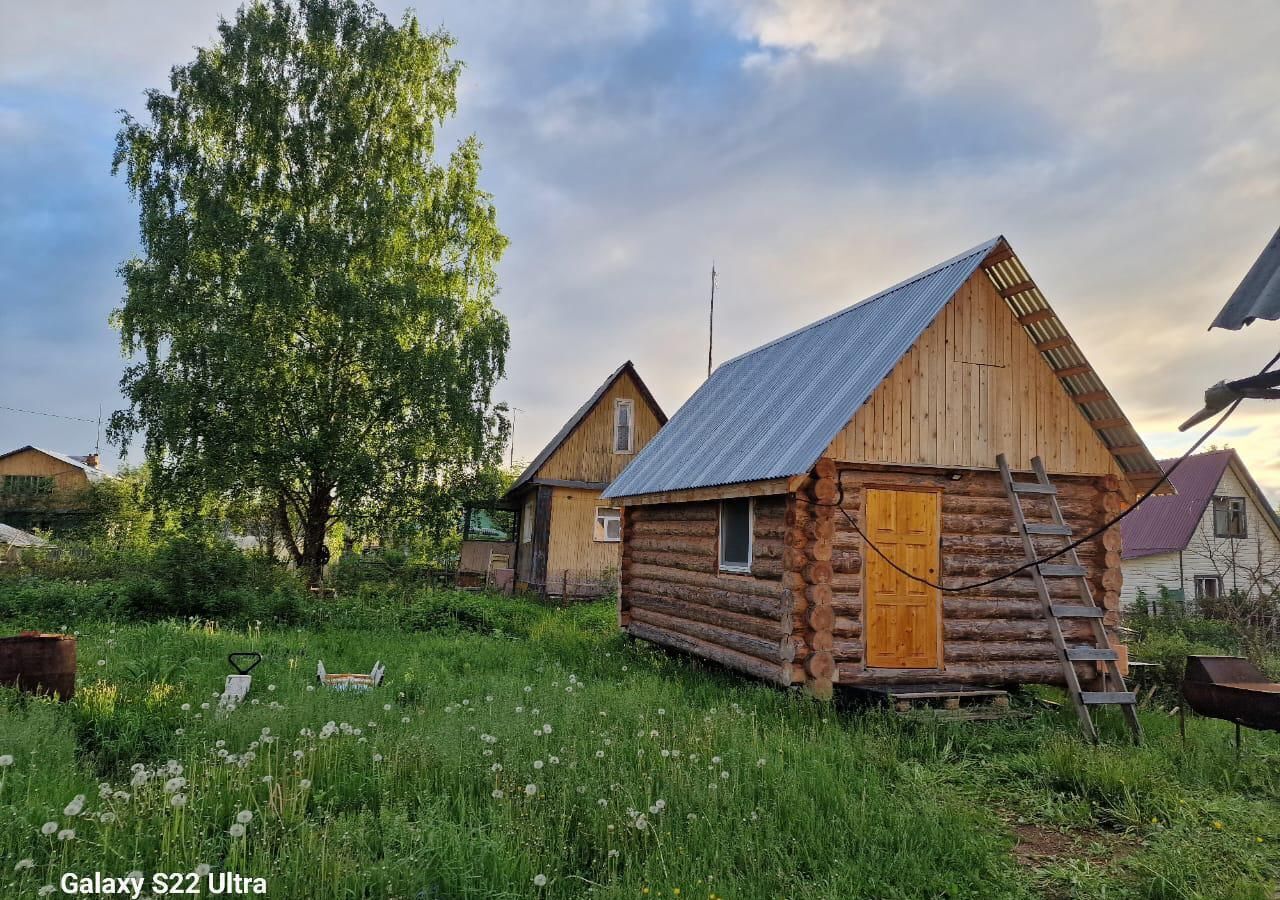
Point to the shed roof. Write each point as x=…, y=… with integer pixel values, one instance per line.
x=771, y=413
x=94, y=474
x=1166, y=524
x=15, y=537
x=527, y=476
x=1258, y=295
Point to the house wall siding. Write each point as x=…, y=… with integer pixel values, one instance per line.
x=1249, y=564
x=573, y=554
x=67, y=479
x=587, y=453
x=971, y=387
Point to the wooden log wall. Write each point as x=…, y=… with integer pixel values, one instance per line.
x=806, y=579
x=674, y=595
x=994, y=634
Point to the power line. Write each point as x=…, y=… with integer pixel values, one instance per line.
x=839, y=504
x=36, y=412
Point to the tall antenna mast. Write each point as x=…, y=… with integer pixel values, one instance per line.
x=711, y=325
x=97, y=440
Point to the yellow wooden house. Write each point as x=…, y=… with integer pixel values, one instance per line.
x=43, y=488
x=568, y=540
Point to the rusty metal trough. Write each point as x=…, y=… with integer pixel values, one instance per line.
x=1233, y=689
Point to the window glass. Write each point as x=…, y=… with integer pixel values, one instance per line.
x=622, y=410
x=28, y=484
x=1208, y=587
x=1229, y=518
x=735, y=534
x=608, y=526
x=526, y=522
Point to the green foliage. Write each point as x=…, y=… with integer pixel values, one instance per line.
x=764, y=793
x=312, y=313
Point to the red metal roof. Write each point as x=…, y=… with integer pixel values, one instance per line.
x=1164, y=524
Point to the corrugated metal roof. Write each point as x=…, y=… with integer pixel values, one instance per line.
x=771, y=413
x=1258, y=296
x=627, y=367
x=1165, y=524
x=15, y=537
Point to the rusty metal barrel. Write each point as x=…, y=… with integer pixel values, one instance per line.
x=39, y=663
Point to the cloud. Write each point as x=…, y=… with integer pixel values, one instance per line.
x=816, y=150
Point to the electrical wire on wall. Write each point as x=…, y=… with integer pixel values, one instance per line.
x=839, y=504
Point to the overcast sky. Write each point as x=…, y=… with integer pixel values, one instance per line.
x=817, y=150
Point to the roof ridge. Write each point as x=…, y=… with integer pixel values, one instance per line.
x=984, y=247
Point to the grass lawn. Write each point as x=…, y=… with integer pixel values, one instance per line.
x=556, y=759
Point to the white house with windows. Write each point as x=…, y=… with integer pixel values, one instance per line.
x=1219, y=533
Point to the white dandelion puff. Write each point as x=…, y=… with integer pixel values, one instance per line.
x=539, y=880
x=530, y=789
x=24, y=864
x=236, y=830
x=48, y=828
x=67, y=834
x=244, y=817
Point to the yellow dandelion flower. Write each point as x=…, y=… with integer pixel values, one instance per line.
x=675, y=892
x=1217, y=825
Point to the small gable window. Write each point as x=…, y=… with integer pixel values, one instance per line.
x=623, y=426
x=1229, y=520
x=608, y=527
x=735, y=535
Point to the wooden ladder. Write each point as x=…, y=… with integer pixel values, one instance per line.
x=1068, y=566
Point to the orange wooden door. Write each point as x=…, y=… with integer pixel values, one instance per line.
x=902, y=616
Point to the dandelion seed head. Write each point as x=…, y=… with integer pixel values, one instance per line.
x=48, y=828
x=236, y=830
x=67, y=834
x=244, y=817
x=539, y=880
x=6, y=759
x=530, y=789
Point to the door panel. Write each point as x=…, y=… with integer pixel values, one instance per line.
x=902, y=615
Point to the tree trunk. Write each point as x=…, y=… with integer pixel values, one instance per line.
x=314, y=530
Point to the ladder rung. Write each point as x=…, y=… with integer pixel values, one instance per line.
x=1032, y=487
x=1097, y=698
x=1065, y=571
x=1064, y=530
x=1081, y=654
x=1076, y=612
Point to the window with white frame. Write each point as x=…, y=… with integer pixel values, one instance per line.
x=526, y=522
x=735, y=534
x=1229, y=519
x=608, y=527
x=1208, y=587
x=623, y=426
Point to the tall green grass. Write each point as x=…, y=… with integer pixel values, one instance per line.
x=658, y=774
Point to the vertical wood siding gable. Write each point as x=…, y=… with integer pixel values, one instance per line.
x=973, y=386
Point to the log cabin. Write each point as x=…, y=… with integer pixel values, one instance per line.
x=738, y=538
x=567, y=539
